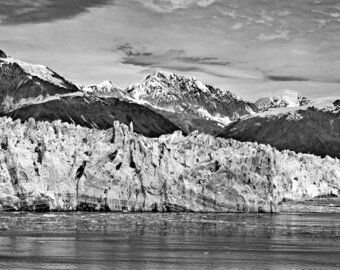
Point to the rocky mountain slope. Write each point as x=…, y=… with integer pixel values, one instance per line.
x=308, y=129
x=22, y=83
x=288, y=99
x=59, y=166
x=189, y=103
x=2, y=54
x=28, y=90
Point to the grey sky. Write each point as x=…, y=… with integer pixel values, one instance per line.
x=251, y=47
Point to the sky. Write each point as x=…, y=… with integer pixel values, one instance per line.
x=253, y=48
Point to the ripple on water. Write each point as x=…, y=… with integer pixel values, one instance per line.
x=172, y=241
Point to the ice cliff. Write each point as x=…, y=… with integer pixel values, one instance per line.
x=60, y=166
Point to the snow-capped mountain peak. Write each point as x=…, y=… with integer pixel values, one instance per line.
x=167, y=87
x=104, y=89
x=107, y=85
x=293, y=99
x=40, y=71
x=22, y=84
x=188, y=96
x=287, y=99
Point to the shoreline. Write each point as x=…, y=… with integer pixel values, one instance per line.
x=315, y=205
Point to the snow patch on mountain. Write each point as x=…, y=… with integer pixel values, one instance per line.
x=148, y=104
x=294, y=116
x=223, y=120
x=9, y=105
x=250, y=110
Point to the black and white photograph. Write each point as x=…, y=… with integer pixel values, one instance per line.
x=169, y=134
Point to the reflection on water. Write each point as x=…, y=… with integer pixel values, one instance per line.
x=169, y=241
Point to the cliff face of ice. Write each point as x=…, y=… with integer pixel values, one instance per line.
x=59, y=166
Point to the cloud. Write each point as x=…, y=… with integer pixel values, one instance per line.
x=203, y=60
x=138, y=55
x=168, y=6
x=129, y=50
x=289, y=92
x=39, y=11
x=139, y=62
x=278, y=78
x=237, y=26
x=278, y=35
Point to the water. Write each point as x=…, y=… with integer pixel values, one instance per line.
x=169, y=241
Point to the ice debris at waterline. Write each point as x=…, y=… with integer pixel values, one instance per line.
x=60, y=166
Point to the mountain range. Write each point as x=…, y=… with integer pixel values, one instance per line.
x=166, y=143
x=164, y=102
x=28, y=90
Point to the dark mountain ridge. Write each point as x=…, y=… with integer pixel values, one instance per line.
x=96, y=113
x=309, y=129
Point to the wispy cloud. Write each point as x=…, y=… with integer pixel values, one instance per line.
x=280, y=78
x=38, y=11
x=131, y=51
x=168, y=6
x=204, y=60
x=179, y=60
x=277, y=35
x=138, y=55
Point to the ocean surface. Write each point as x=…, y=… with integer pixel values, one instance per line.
x=83, y=241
